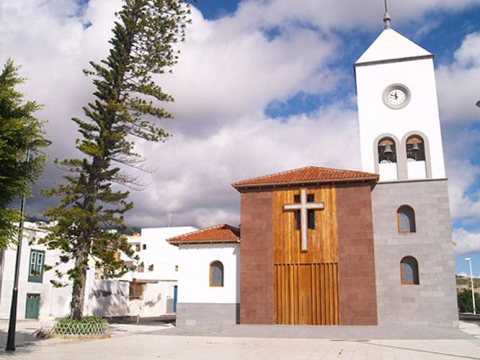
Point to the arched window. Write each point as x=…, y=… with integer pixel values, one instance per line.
x=409, y=271
x=216, y=273
x=387, y=151
x=406, y=219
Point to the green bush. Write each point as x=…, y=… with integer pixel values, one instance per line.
x=465, y=303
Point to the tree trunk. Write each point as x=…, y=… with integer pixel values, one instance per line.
x=79, y=282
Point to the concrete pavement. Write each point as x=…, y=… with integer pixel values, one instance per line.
x=257, y=342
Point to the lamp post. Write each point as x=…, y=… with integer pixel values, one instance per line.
x=13, y=308
x=471, y=279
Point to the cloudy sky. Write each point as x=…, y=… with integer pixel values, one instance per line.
x=262, y=86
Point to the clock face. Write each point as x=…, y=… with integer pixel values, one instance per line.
x=396, y=96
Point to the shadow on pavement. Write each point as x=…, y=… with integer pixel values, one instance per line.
x=470, y=318
x=149, y=321
x=24, y=339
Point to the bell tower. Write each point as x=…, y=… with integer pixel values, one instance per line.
x=398, y=111
x=400, y=140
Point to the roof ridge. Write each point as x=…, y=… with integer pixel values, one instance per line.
x=277, y=173
x=353, y=173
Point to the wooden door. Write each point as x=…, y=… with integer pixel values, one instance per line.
x=32, y=307
x=305, y=295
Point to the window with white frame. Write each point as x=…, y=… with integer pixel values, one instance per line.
x=37, y=260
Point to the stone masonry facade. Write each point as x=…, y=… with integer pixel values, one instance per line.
x=356, y=268
x=256, y=259
x=433, y=301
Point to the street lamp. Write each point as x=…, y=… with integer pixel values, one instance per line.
x=13, y=309
x=471, y=279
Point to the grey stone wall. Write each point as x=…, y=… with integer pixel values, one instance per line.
x=207, y=314
x=433, y=301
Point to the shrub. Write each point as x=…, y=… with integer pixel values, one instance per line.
x=465, y=303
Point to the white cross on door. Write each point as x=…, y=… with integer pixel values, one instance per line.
x=304, y=206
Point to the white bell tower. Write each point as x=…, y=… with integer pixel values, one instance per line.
x=398, y=111
x=400, y=139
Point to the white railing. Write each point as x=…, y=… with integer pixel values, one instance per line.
x=92, y=329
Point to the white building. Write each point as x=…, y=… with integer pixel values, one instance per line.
x=153, y=285
x=158, y=259
x=153, y=293
x=208, y=286
x=37, y=298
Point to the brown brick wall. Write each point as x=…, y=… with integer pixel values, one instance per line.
x=256, y=259
x=356, y=268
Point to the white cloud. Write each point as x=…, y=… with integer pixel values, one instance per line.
x=230, y=69
x=458, y=83
x=462, y=177
x=467, y=242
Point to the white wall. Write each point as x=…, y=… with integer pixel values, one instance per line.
x=421, y=114
x=194, y=281
x=159, y=253
x=157, y=300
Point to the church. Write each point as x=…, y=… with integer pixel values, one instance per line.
x=322, y=246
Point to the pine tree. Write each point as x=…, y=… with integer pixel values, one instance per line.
x=126, y=102
x=19, y=132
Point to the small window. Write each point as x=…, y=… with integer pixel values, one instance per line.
x=136, y=290
x=144, y=247
x=310, y=198
x=298, y=220
x=137, y=247
x=406, y=219
x=311, y=219
x=409, y=271
x=296, y=199
x=141, y=268
x=176, y=267
x=216, y=274
x=37, y=259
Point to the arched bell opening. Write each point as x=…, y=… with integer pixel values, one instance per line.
x=387, y=159
x=416, y=158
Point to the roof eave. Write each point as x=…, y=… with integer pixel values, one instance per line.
x=307, y=182
x=196, y=242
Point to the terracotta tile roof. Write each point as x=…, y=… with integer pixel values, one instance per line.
x=306, y=176
x=216, y=234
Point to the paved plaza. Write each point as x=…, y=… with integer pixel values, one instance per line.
x=163, y=341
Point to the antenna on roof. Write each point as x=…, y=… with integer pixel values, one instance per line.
x=386, y=16
x=170, y=216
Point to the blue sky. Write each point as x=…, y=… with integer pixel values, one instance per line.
x=255, y=79
x=449, y=32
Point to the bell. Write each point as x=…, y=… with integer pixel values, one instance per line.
x=415, y=147
x=388, y=149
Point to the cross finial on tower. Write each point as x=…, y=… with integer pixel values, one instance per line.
x=386, y=17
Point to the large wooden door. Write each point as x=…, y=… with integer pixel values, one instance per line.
x=306, y=294
x=306, y=282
